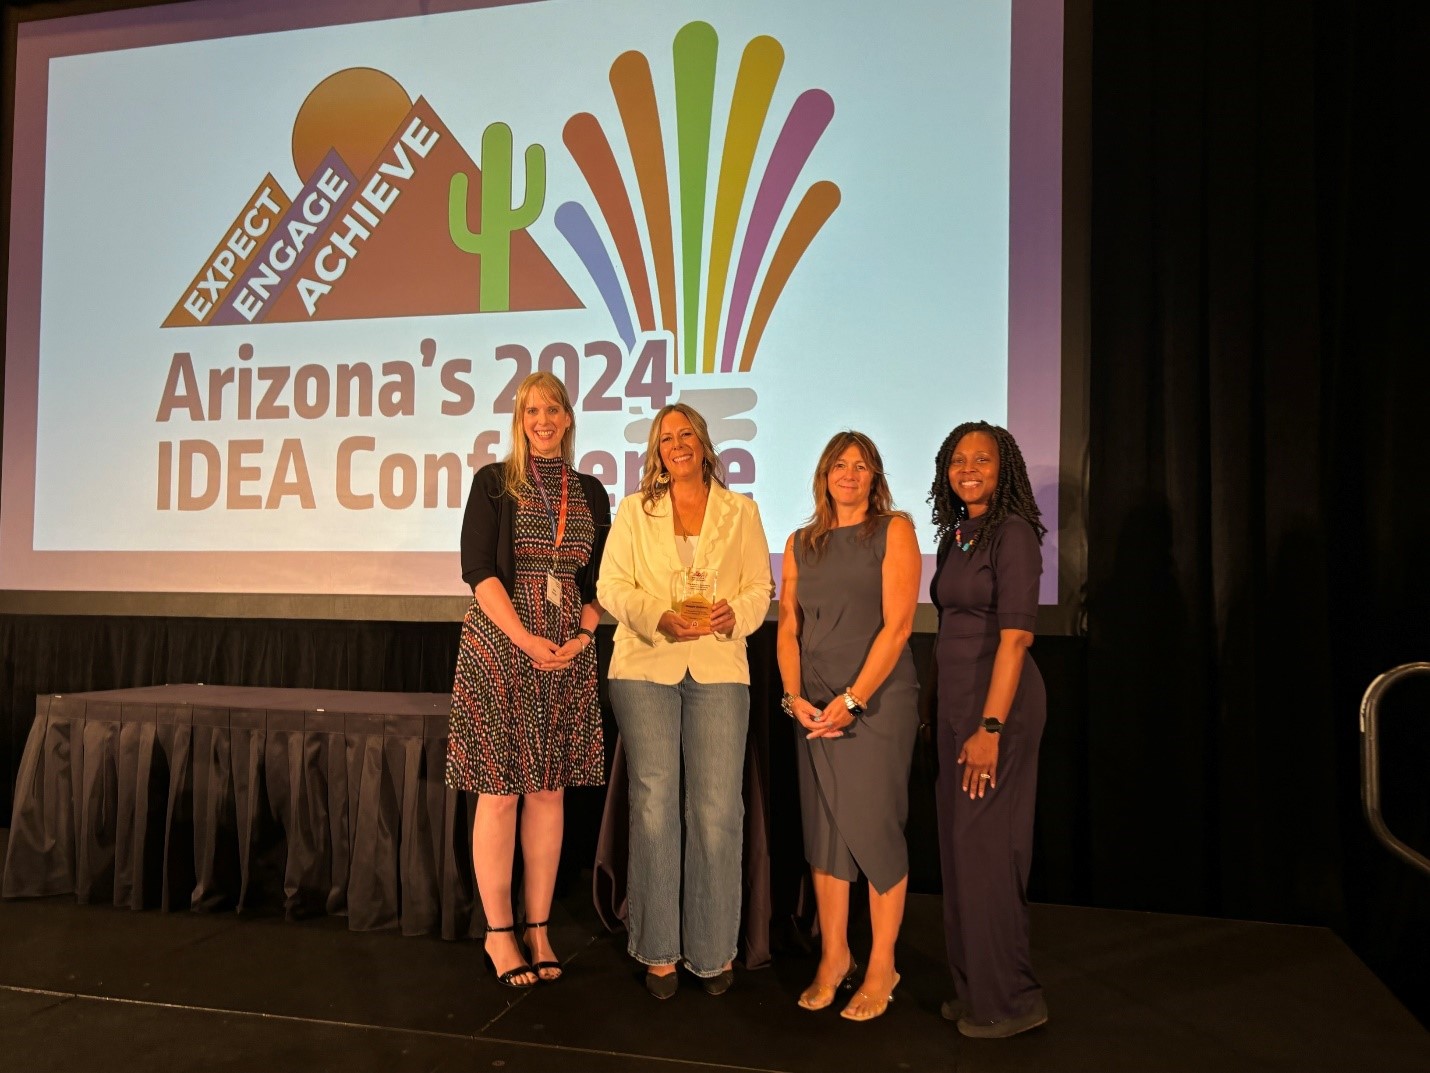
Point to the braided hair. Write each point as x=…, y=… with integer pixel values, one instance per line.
x=1013, y=495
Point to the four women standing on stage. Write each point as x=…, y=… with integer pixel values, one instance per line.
x=525, y=720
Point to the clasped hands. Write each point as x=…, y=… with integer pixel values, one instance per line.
x=676, y=628
x=547, y=655
x=828, y=722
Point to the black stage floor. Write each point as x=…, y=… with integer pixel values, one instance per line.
x=95, y=988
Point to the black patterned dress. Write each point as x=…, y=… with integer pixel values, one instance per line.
x=514, y=729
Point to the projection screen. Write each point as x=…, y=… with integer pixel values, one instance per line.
x=275, y=271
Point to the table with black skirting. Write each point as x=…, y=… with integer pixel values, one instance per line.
x=318, y=801
x=212, y=797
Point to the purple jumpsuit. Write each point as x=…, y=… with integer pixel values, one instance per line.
x=986, y=844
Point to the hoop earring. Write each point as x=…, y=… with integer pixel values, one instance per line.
x=663, y=478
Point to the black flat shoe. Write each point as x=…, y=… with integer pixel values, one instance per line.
x=662, y=987
x=509, y=978
x=553, y=967
x=719, y=983
x=1035, y=1017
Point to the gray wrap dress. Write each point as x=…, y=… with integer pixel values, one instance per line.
x=853, y=790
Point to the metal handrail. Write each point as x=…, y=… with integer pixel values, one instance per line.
x=1370, y=761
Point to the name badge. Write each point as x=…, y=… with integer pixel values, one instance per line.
x=553, y=589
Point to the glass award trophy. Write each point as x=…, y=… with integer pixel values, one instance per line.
x=695, y=595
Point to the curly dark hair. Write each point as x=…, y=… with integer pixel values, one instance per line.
x=1014, y=494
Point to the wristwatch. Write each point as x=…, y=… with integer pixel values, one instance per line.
x=853, y=703
x=993, y=726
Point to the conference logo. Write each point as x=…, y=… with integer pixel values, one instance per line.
x=395, y=219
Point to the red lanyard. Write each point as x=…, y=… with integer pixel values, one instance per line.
x=558, y=525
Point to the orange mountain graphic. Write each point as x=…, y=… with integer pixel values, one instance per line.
x=387, y=250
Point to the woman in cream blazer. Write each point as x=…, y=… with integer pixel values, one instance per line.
x=680, y=690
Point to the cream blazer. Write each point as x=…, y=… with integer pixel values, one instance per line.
x=635, y=586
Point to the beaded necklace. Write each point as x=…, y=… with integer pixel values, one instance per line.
x=964, y=546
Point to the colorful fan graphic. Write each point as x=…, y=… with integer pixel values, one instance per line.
x=727, y=320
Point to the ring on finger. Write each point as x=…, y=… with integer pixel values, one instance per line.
x=985, y=775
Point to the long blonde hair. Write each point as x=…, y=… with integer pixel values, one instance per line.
x=514, y=469
x=655, y=481
x=814, y=538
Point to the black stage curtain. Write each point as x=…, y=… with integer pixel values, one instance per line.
x=1257, y=511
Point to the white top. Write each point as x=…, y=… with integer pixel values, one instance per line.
x=685, y=548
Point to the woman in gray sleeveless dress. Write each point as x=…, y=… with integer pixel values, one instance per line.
x=850, y=584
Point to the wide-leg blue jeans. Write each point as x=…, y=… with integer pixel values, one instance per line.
x=705, y=725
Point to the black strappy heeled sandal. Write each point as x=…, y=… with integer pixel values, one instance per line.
x=508, y=978
x=538, y=966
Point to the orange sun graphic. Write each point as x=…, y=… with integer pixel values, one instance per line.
x=355, y=111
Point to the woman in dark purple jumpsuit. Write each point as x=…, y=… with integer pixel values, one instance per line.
x=991, y=710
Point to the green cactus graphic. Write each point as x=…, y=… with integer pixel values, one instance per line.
x=499, y=219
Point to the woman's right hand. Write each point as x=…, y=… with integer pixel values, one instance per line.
x=678, y=629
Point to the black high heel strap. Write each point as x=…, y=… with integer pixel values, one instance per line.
x=508, y=978
x=547, y=965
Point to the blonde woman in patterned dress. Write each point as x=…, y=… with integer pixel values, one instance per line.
x=526, y=722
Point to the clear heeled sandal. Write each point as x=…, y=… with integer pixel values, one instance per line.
x=819, y=996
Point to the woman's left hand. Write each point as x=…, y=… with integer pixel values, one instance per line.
x=722, y=618
x=833, y=719
x=979, y=757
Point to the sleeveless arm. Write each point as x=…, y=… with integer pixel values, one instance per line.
x=901, y=570
x=790, y=621
x=757, y=585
